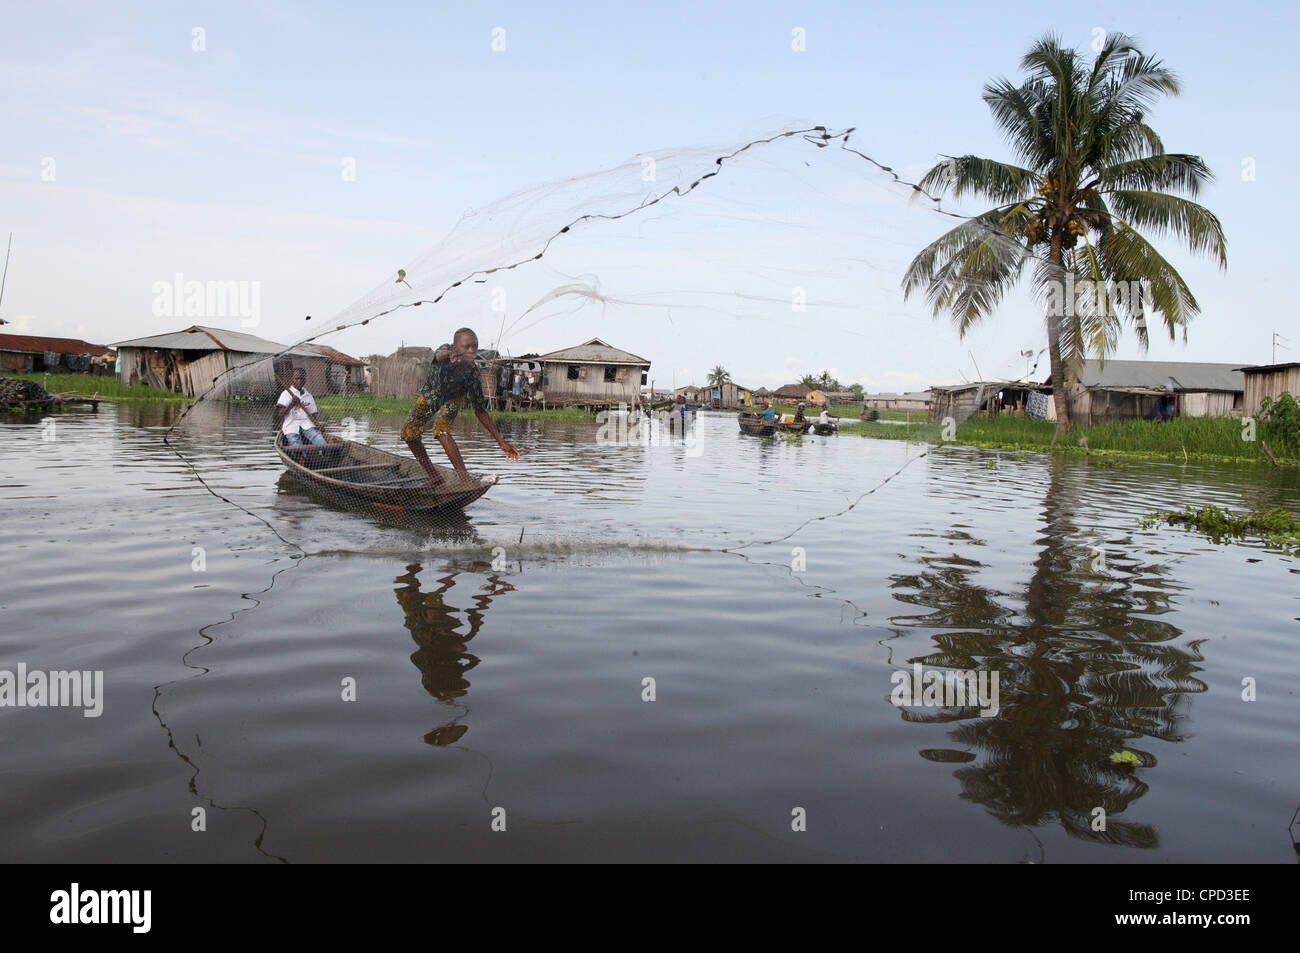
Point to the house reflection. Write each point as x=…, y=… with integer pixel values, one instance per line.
x=442, y=633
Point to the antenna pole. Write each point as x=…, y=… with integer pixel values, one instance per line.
x=6, y=271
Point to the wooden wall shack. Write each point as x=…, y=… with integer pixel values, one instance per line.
x=592, y=375
x=1269, y=380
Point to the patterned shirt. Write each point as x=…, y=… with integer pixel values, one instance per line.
x=447, y=381
x=13, y=389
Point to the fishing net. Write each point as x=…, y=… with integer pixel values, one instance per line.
x=591, y=299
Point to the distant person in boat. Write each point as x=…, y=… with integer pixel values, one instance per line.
x=453, y=382
x=769, y=414
x=825, y=417
x=295, y=413
x=798, y=413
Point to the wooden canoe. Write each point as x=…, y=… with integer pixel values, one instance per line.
x=825, y=430
x=756, y=426
x=353, y=474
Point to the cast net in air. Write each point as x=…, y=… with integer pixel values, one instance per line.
x=598, y=303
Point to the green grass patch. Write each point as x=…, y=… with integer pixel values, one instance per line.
x=358, y=405
x=854, y=412
x=1276, y=527
x=1204, y=438
x=910, y=416
x=883, y=431
x=108, y=388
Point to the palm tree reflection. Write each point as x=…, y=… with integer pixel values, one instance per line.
x=1084, y=669
x=442, y=637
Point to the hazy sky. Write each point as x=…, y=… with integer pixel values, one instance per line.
x=309, y=150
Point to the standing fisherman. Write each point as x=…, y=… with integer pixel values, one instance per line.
x=683, y=412
x=452, y=382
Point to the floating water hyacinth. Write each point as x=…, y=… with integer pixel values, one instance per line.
x=1125, y=757
x=1276, y=527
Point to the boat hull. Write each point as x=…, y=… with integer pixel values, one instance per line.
x=756, y=426
x=355, y=475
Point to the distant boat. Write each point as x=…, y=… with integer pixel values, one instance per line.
x=825, y=430
x=756, y=426
x=24, y=396
x=354, y=474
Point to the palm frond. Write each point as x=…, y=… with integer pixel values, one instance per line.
x=1126, y=256
x=1165, y=214
x=1169, y=171
x=970, y=175
x=968, y=270
x=1017, y=111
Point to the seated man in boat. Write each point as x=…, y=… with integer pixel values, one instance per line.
x=798, y=413
x=295, y=413
x=453, y=382
x=769, y=414
x=825, y=418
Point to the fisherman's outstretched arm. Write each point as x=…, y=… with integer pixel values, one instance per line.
x=483, y=418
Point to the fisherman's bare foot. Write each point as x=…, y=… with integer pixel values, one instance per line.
x=435, y=480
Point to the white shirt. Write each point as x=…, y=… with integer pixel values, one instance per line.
x=297, y=417
x=825, y=418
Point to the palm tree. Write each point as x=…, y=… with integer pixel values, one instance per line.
x=717, y=377
x=1093, y=174
x=822, y=381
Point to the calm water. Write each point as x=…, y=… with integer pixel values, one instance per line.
x=520, y=687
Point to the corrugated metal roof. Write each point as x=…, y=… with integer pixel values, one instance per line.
x=908, y=395
x=973, y=385
x=594, y=351
x=1181, y=375
x=202, y=338
x=33, y=342
x=329, y=353
x=1267, y=368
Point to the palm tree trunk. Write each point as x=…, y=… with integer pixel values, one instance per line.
x=1059, y=397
